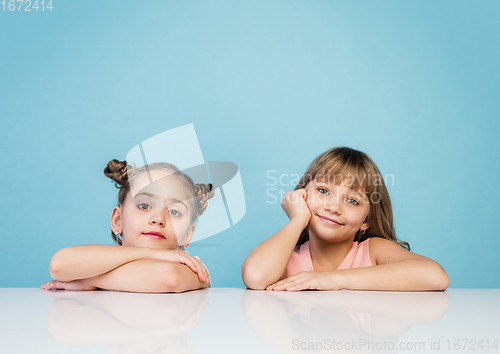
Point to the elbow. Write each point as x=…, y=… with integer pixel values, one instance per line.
x=444, y=282
x=176, y=280
x=440, y=279
x=172, y=284
x=253, y=279
x=56, y=266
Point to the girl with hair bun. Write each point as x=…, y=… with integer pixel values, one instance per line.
x=154, y=221
x=340, y=235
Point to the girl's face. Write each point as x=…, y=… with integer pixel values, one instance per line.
x=158, y=216
x=337, y=211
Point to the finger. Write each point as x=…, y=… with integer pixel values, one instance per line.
x=48, y=285
x=204, y=271
x=62, y=285
x=298, y=286
x=302, y=192
x=306, y=283
x=58, y=285
x=289, y=279
x=271, y=286
x=277, y=285
x=304, y=195
x=283, y=286
x=289, y=196
x=188, y=262
x=285, y=283
x=200, y=269
x=294, y=288
x=281, y=282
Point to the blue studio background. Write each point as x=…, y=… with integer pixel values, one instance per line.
x=269, y=85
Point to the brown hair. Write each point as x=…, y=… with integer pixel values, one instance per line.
x=360, y=172
x=122, y=174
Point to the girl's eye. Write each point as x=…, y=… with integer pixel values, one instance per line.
x=144, y=206
x=323, y=191
x=174, y=212
x=352, y=201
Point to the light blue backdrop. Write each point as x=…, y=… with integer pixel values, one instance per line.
x=268, y=85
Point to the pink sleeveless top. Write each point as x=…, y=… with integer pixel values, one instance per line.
x=300, y=261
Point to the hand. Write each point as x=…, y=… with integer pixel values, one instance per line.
x=308, y=281
x=295, y=206
x=184, y=258
x=78, y=285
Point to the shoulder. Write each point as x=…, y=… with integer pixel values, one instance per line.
x=386, y=251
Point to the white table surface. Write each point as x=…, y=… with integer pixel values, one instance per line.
x=231, y=320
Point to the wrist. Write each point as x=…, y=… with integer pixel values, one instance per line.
x=301, y=221
x=339, y=280
x=92, y=282
x=151, y=253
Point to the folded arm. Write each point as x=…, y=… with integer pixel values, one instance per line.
x=396, y=270
x=149, y=276
x=80, y=262
x=268, y=261
x=86, y=261
x=142, y=276
x=410, y=275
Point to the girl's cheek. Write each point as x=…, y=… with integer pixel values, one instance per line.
x=315, y=199
x=310, y=197
x=309, y=201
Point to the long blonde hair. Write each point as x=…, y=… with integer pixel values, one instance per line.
x=360, y=172
x=121, y=174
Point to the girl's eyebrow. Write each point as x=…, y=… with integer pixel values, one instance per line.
x=173, y=200
x=147, y=195
x=355, y=191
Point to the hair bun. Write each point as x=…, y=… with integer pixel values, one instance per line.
x=117, y=171
x=203, y=192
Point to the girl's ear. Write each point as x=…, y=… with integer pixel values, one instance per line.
x=116, y=219
x=189, y=235
x=365, y=225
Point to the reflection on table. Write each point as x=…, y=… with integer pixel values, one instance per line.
x=316, y=321
x=247, y=322
x=126, y=322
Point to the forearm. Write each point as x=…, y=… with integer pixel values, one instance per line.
x=408, y=275
x=268, y=261
x=87, y=261
x=149, y=276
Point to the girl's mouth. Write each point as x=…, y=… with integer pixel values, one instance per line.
x=154, y=235
x=328, y=221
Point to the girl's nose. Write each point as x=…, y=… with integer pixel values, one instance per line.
x=158, y=218
x=333, y=204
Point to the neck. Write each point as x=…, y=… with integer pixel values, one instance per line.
x=328, y=255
